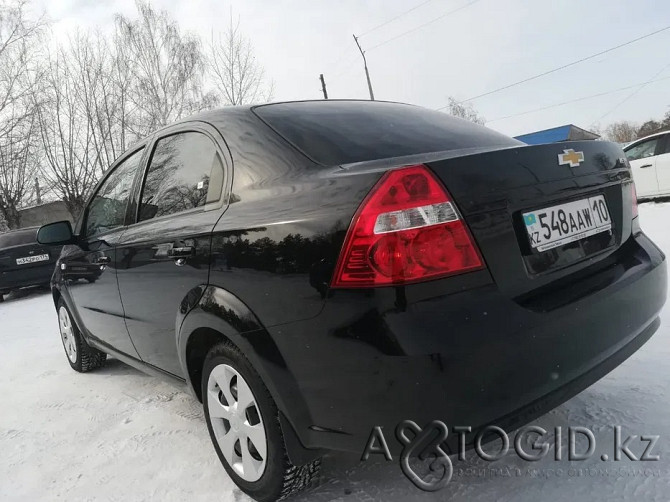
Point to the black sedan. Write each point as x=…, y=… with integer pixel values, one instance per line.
x=24, y=262
x=312, y=270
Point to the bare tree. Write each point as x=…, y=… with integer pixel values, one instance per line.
x=464, y=111
x=649, y=127
x=621, y=132
x=18, y=35
x=101, y=94
x=166, y=68
x=71, y=162
x=234, y=70
x=18, y=166
x=121, y=79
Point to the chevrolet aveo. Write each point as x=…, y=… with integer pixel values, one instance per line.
x=311, y=270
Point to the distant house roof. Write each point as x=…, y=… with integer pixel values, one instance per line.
x=43, y=214
x=568, y=132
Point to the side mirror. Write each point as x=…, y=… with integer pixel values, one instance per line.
x=56, y=234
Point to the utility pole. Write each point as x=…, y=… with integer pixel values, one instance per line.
x=323, y=87
x=367, y=73
x=38, y=193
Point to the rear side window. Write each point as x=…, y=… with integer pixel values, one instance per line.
x=666, y=146
x=18, y=238
x=185, y=172
x=340, y=132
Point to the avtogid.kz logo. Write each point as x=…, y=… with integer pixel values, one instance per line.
x=424, y=444
x=425, y=448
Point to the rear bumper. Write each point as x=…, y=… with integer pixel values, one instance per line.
x=29, y=276
x=469, y=358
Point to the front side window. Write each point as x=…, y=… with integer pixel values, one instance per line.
x=107, y=210
x=642, y=150
x=185, y=172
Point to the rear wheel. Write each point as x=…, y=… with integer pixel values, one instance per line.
x=2, y=297
x=243, y=423
x=81, y=357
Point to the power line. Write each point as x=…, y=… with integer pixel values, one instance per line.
x=344, y=53
x=555, y=105
x=350, y=62
x=642, y=86
x=423, y=25
x=342, y=58
x=396, y=17
x=562, y=67
x=346, y=69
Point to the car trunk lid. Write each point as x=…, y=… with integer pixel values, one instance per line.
x=20, y=250
x=495, y=189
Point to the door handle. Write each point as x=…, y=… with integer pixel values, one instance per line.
x=181, y=252
x=103, y=260
x=645, y=166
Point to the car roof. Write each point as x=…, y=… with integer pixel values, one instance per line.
x=209, y=115
x=633, y=143
x=17, y=230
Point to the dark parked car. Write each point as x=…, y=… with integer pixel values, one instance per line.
x=24, y=262
x=310, y=270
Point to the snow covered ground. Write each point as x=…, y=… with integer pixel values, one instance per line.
x=117, y=434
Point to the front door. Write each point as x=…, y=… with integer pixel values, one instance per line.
x=90, y=268
x=643, y=163
x=163, y=259
x=663, y=167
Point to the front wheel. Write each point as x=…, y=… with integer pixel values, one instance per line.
x=243, y=423
x=79, y=354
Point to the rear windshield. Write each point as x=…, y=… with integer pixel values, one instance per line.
x=18, y=238
x=342, y=132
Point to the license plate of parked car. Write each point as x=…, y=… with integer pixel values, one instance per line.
x=564, y=223
x=32, y=259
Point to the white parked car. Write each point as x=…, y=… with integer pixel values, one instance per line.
x=650, y=159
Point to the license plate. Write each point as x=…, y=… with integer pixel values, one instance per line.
x=32, y=259
x=558, y=225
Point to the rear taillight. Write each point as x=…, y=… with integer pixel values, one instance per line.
x=406, y=230
x=633, y=197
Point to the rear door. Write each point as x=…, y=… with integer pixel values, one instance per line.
x=663, y=166
x=164, y=257
x=24, y=262
x=642, y=158
x=90, y=267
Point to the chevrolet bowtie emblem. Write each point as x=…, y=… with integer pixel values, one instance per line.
x=570, y=157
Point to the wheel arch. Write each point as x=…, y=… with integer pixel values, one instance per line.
x=55, y=294
x=220, y=316
x=198, y=345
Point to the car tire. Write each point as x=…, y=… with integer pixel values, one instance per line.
x=2, y=297
x=80, y=355
x=262, y=471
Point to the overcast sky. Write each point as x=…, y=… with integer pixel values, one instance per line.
x=485, y=45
